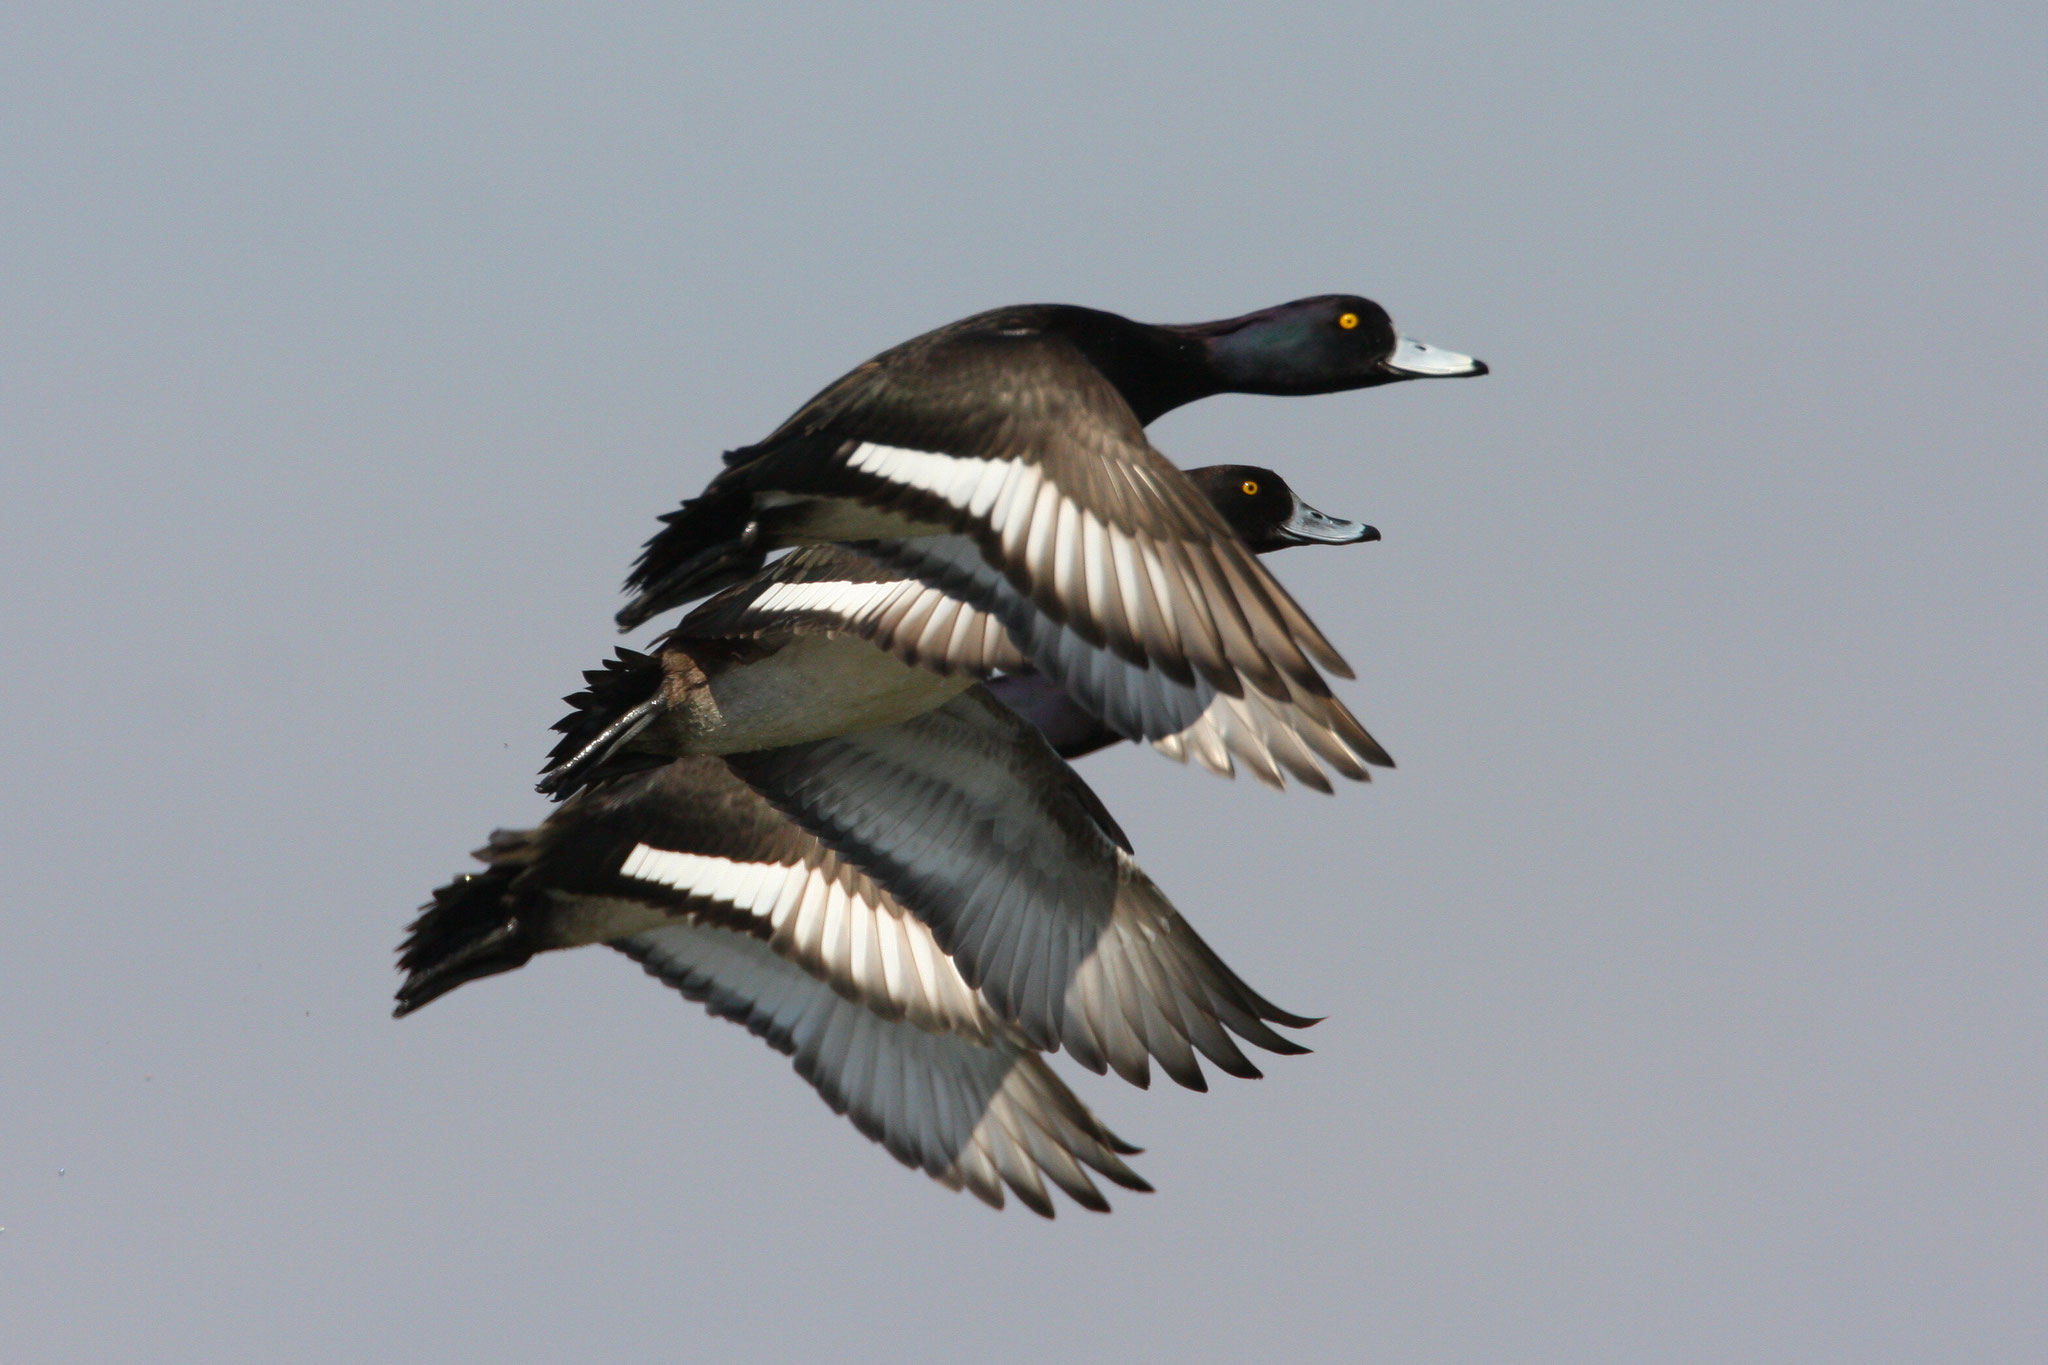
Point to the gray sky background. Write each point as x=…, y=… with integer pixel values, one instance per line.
x=1685, y=983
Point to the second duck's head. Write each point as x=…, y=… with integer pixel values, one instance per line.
x=1269, y=515
x=1321, y=345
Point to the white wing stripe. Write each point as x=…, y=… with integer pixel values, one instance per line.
x=843, y=599
x=951, y=477
x=994, y=476
x=769, y=891
x=1207, y=607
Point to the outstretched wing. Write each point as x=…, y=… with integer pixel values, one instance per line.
x=979, y=1115
x=1016, y=442
x=844, y=588
x=983, y=833
x=691, y=840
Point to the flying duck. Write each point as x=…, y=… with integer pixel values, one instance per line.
x=1024, y=924
x=1003, y=460
x=967, y=817
x=685, y=870
x=1051, y=386
x=778, y=659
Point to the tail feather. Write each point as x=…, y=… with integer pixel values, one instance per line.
x=472, y=928
x=709, y=543
x=621, y=699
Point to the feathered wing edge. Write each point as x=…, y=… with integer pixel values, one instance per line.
x=1118, y=545
x=973, y=1113
x=1018, y=442
x=934, y=623
x=978, y=829
x=969, y=1115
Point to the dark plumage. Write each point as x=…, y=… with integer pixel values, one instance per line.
x=913, y=978
x=914, y=1060
x=1267, y=515
x=1059, y=386
x=974, y=825
x=1084, y=698
x=725, y=681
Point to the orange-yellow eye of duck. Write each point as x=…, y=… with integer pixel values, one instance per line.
x=1251, y=488
x=1348, y=321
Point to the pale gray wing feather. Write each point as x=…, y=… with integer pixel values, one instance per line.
x=1280, y=725
x=971, y=1115
x=981, y=831
x=935, y=624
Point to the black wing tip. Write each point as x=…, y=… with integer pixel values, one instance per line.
x=1038, y=1201
x=1315, y=781
x=1283, y=1047
x=1360, y=742
x=1088, y=1197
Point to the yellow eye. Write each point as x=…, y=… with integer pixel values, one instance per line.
x=1348, y=321
x=1251, y=488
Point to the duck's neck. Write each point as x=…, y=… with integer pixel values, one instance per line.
x=1272, y=351
x=1157, y=369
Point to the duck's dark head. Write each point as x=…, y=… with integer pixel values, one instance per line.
x=1269, y=515
x=1320, y=345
